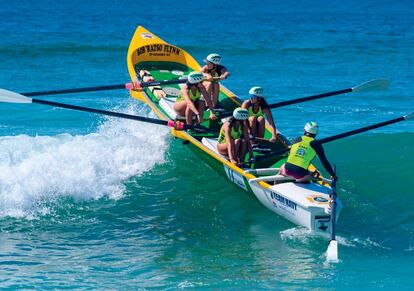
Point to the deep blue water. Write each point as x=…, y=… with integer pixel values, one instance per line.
x=88, y=202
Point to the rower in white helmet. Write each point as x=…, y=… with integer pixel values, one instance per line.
x=213, y=72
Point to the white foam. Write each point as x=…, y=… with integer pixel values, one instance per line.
x=39, y=169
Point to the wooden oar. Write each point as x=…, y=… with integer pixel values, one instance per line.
x=409, y=116
x=13, y=97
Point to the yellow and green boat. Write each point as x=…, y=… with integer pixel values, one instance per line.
x=303, y=204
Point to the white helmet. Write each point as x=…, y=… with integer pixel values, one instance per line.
x=213, y=58
x=195, y=77
x=241, y=113
x=311, y=127
x=257, y=91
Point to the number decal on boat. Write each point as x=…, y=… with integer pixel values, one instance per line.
x=236, y=178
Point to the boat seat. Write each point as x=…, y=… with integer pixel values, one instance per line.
x=156, y=90
x=211, y=144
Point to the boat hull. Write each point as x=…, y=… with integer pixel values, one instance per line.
x=302, y=204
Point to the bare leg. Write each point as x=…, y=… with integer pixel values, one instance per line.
x=215, y=93
x=189, y=115
x=252, y=125
x=180, y=107
x=223, y=149
x=201, y=105
x=242, y=150
x=260, y=126
x=237, y=150
x=209, y=88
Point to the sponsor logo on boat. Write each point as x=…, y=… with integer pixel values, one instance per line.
x=158, y=50
x=146, y=35
x=317, y=199
x=236, y=178
x=282, y=200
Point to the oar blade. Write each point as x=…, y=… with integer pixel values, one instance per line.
x=373, y=85
x=332, y=252
x=13, y=97
x=409, y=116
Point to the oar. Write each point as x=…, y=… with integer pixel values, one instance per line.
x=127, y=86
x=373, y=85
x=13, y=97
x=409, y=116
x=332, y=251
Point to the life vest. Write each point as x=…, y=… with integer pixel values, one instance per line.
x=301, y=153
x=257, y=114
x=235, y=134
x=193, y=97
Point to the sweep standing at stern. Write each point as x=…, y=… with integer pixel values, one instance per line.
x=302, y=153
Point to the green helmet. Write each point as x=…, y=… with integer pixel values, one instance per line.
x=195, y=77
x=311, y=127
x=241, y=113
x=213, y=58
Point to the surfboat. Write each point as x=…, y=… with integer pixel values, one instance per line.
x=305, y=205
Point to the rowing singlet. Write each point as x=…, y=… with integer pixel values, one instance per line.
x=191, y=95
x=301, y=154
x=233, y=133
x=257, y=114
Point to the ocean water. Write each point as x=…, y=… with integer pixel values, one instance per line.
x=88, y=202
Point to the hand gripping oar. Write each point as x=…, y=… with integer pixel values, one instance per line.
x=332, y=251
x=13, y=97
x=409, y=116
x=373, y=85
x=127, y=86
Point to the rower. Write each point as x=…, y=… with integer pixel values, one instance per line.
x=301, y=155
x=190, y=102
x=213, y=72
x=258, y=109
x=233, y=140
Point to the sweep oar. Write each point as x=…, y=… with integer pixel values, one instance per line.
x=409, y=116
x=332, y=251
x=127, y=86
x=13, y=97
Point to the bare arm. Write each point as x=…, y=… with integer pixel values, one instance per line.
x=224, y=74
x=246, y=137
x=189, y=102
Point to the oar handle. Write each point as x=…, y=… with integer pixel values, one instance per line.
x=77, y=90
x=158, y=83
x=309, y=98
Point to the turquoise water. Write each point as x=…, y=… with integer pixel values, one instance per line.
x=88, y=202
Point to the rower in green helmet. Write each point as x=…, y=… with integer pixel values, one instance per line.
x=213, y=72
x=190, y=101
x=301, y=155
x=233, y=140
x=258, y=109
